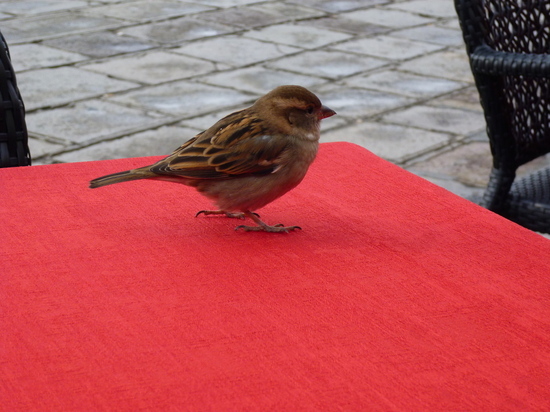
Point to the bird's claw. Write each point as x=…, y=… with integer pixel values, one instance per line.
x=262, y=227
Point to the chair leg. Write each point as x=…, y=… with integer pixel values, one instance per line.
x=497, y=191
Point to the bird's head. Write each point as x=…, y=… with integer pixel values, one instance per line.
x=293, y=109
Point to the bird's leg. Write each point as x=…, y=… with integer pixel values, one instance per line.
x=221, y=212
x=264, y=226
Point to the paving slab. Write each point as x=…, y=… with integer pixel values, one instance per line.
x=468, y=98
x=473, y=194
x=257, y=15
x=449, y=24
x=469, y=164
x=290, y=11
x=156, y=142
x=439, y=119
x=37, y=56
x=90, y=120
x=259, y=80
x=329, y=64
x=338, y=6
x=342, y=24
x=243, y=17
x=30, y=7
x=388, y=47
x=406, y=84
x=394, y=143
x=539, y=163
x=355, y=103
x=236, y=51
x=387, y=17
x=178, y=30
x=481, y=136
x=39, y=147
x=153, y=67
x=41, y=27
x=100, y=44
x=298, y=36
x=229, y=3
x=54, y=87
x=432, y=34
x=448, y=64
x=142, y=11
x=183, y=98
x=435, y=8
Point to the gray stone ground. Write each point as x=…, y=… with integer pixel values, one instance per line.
x=105, y=79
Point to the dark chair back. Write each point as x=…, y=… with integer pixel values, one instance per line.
x=14, y=149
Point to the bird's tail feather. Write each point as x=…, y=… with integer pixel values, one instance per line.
x=126, y=176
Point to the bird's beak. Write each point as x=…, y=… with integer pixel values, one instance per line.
x=326, y=112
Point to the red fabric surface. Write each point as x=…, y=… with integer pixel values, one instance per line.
x=397, y=295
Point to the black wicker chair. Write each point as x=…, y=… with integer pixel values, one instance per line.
x=14, y=149
x=508, y=43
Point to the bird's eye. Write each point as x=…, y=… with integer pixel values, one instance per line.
x=310, y=110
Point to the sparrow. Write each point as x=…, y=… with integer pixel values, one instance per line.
x=247, y=159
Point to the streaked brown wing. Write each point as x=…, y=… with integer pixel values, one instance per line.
x=238, y=144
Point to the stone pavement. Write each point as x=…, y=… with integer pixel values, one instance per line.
x=106, y=79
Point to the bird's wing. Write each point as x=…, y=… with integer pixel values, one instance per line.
x=238, y=144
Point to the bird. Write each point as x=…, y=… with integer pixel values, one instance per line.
x=248, y=158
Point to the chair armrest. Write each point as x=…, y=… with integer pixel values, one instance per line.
x=485, y=60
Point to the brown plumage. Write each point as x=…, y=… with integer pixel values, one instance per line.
x=247, y=159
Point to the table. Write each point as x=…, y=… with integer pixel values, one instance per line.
x=396, y=295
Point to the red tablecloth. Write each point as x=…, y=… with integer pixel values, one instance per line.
x=396, y=295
